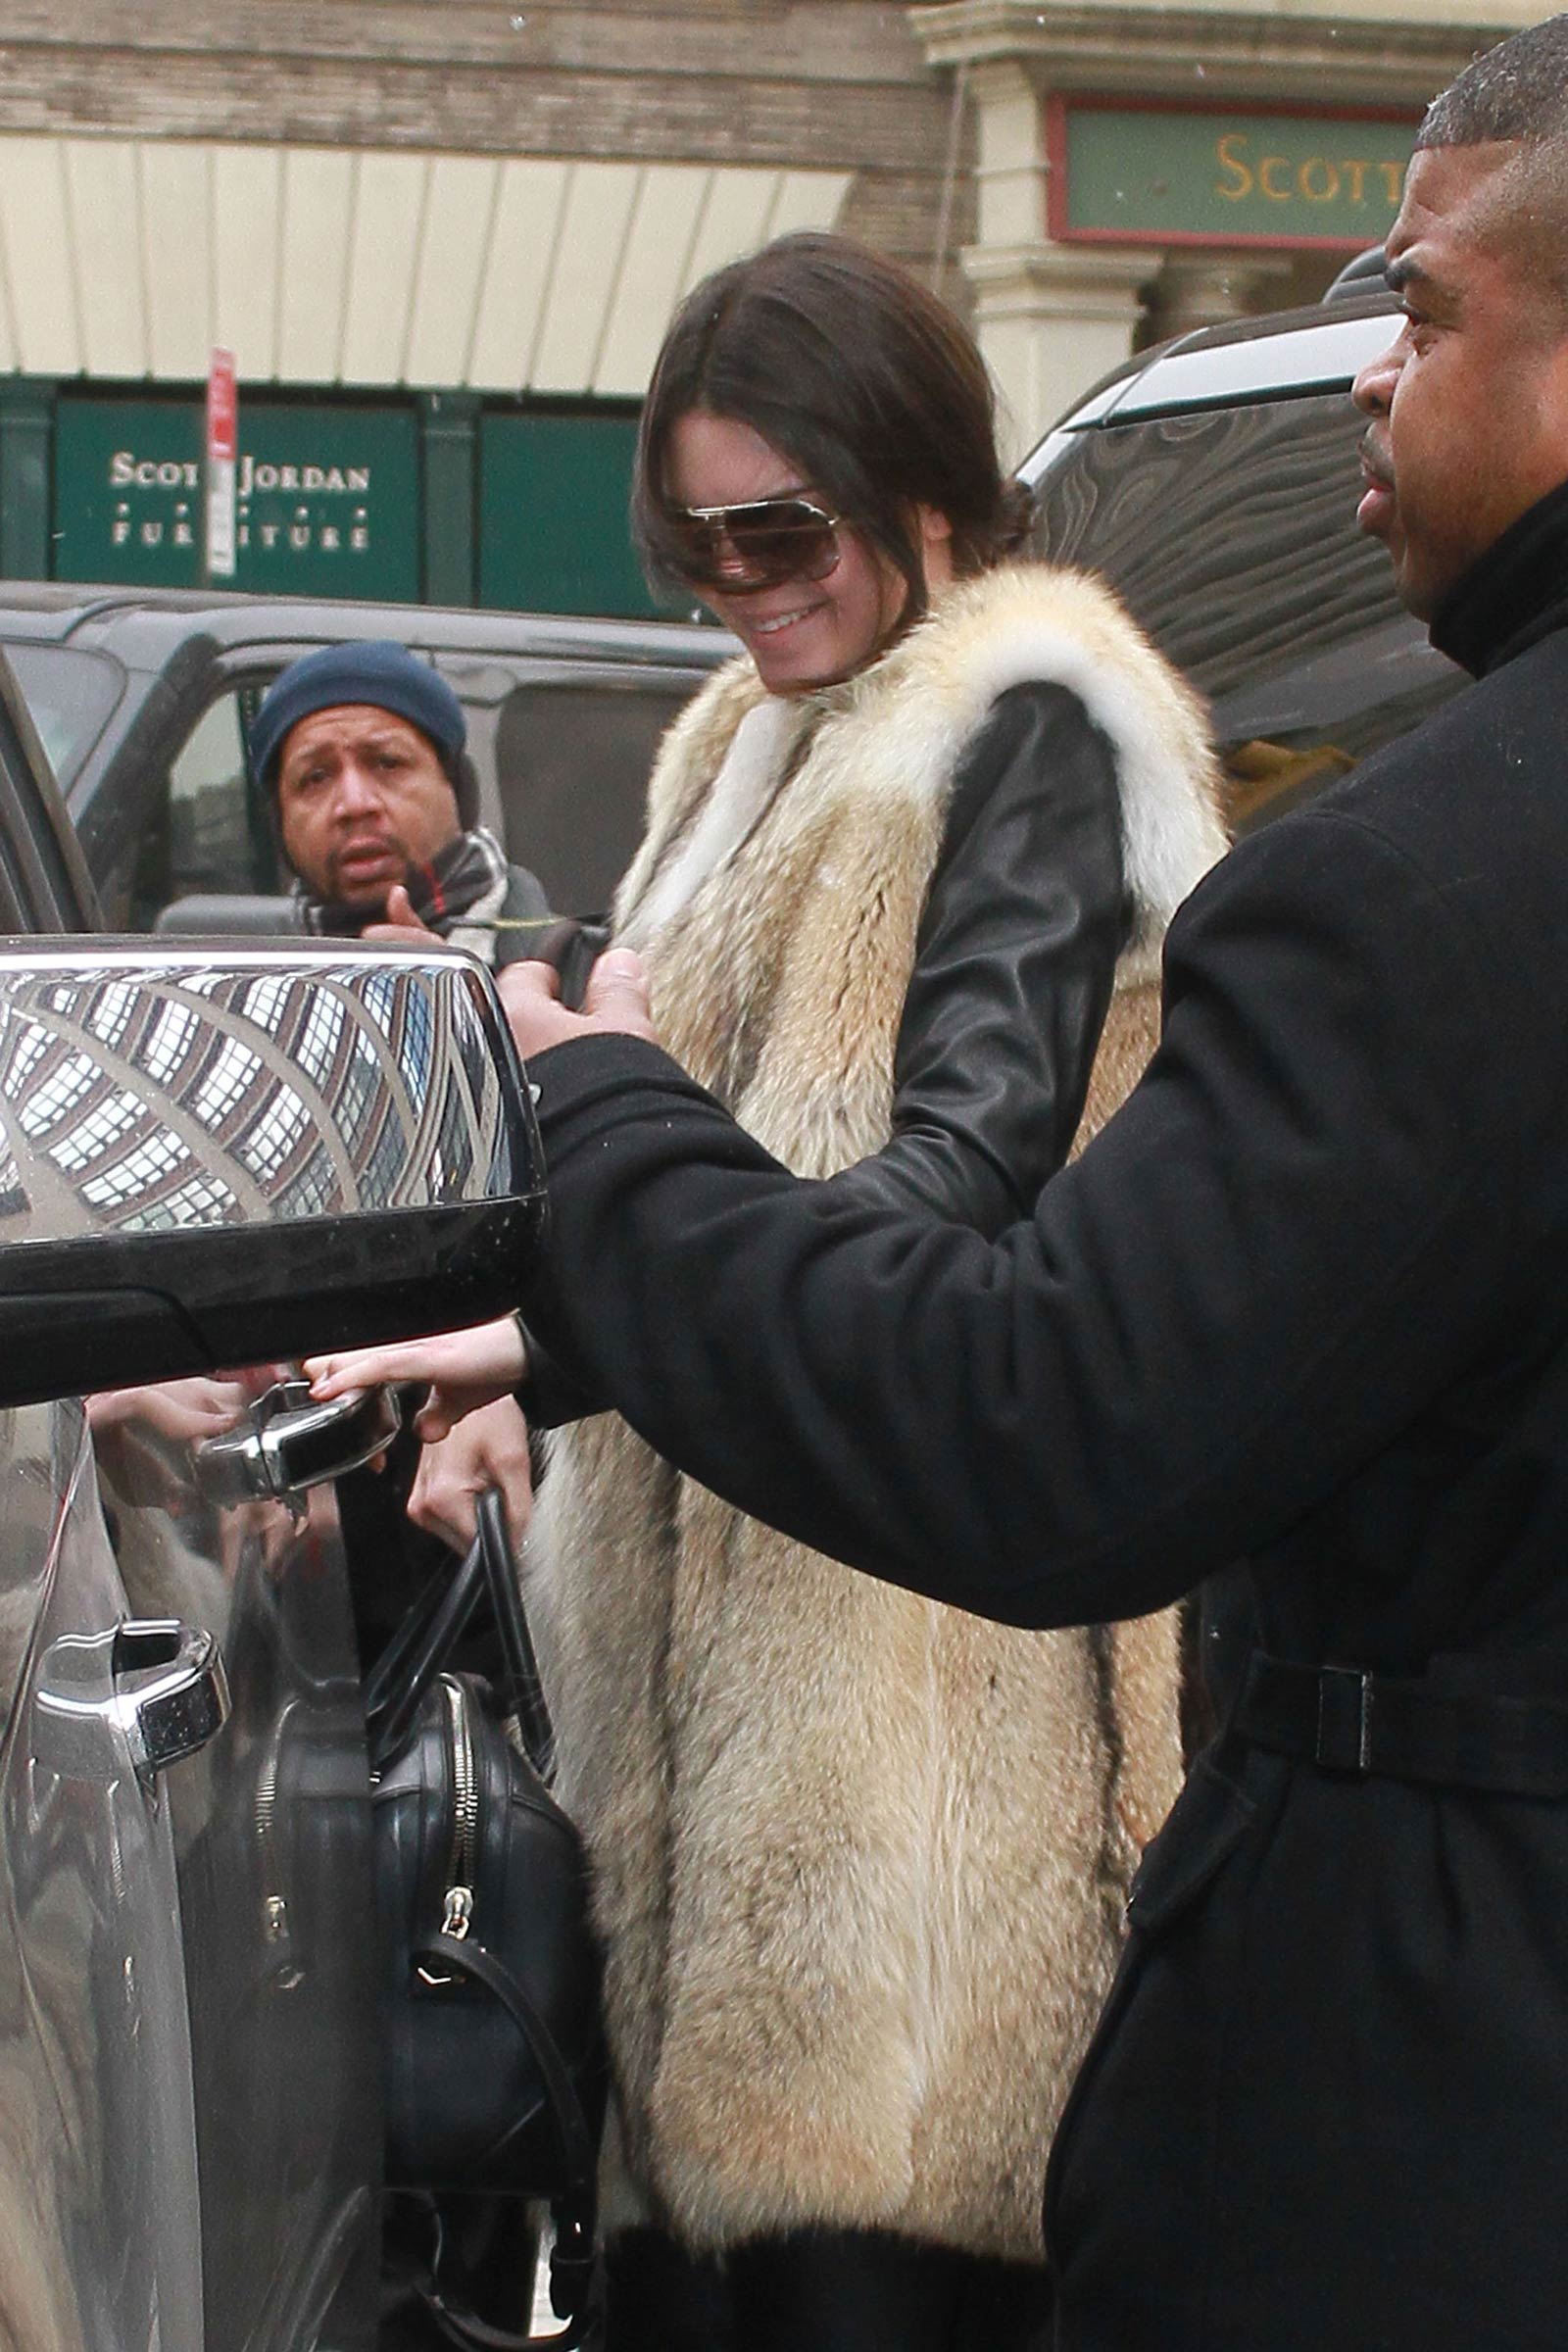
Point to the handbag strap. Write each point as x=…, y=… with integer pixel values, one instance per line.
x=463, y=2325
x=416, y=1652
x=523, y=1688
x=575, y=2210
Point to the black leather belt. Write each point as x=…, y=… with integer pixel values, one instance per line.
x=1364, y=1724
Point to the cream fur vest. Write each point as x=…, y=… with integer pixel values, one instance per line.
x=858, y=1859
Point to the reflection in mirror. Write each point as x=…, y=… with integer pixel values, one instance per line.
x=146, y=1089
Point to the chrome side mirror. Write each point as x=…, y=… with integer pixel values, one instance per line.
x=211, y=1155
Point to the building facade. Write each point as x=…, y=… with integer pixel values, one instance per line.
x=1142, y=169
x=443, y=241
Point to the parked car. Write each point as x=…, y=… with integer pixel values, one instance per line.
x=206, y=1156
x=1214, y=483
x=141, y=697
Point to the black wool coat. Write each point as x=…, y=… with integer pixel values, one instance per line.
x=1304, y=1302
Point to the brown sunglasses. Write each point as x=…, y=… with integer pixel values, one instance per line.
x=754, y=545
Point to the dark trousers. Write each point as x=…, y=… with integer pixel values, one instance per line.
x=826, y=2290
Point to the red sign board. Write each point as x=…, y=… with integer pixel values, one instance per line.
x=222, y=408
x=223, y=448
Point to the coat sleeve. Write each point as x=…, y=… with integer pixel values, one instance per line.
x=1258, y=1273
x=1015, y=962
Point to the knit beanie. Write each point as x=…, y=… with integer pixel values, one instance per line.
x=383, y=675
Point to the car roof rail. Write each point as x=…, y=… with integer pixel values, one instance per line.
x=1362, y=273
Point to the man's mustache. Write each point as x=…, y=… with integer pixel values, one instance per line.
x=1376, y=462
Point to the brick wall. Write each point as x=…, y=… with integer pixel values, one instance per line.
x=837, y=85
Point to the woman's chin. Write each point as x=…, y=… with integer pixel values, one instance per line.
x=797, y=668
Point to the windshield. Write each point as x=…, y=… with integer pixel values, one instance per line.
x=70, y=693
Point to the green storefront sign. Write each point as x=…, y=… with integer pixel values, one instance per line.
x=553, y=535
x=1205, y=177
x=328, y=497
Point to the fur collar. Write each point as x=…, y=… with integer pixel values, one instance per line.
x=914, y=712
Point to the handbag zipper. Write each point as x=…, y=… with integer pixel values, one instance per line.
x=275, y=1925
x=457, y=1909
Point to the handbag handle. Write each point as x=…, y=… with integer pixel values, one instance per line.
x=416, y=1652
x=522, y=1689
x=575, y=2210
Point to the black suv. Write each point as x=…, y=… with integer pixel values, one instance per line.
x=141, y=697
x=207, y=1154
x=1214, y=484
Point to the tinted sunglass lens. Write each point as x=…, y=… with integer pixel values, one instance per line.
x=788, y=543
x=756, y=546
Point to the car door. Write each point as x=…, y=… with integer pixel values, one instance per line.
x=187, y=2044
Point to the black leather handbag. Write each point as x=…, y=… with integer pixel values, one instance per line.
x=493, y=2052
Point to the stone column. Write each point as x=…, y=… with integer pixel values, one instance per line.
x=1050, y=319
x=1206, y=290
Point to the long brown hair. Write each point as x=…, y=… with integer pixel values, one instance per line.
x=848, y=367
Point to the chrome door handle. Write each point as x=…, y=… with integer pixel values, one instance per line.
x=167, y=1695
x=288, y=1442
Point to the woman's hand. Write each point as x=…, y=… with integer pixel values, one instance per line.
x=183, y=1410
x=134, y=1430
x=489, y=1449
x=615, y=1002
x=466, y=1370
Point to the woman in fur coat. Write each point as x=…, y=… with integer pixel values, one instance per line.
x=858, y=1859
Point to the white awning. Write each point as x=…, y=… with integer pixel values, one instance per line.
x=132, y=257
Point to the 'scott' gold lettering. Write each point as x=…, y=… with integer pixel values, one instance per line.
x=1318, y=180
x=1241, y=183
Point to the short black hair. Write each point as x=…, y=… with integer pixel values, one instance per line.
x=1516, y=95
x=1516, y=91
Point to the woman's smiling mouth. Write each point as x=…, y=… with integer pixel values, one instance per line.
x=784, y=620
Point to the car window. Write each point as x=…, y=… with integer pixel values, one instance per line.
x=572, y=768
x=1231, y=536
x=44, y=881
x=202, y=830
x=71, y=694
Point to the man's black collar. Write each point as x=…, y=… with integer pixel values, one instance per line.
x=1517, y=593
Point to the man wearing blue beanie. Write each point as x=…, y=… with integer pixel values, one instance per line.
x=361, y=749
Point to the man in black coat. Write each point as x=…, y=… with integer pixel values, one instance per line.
x=1303, y=1302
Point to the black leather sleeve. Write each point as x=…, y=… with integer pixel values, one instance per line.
x=1014, y=960
x=1026, y=914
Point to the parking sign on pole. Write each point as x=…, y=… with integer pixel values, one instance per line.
x=223, y=451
